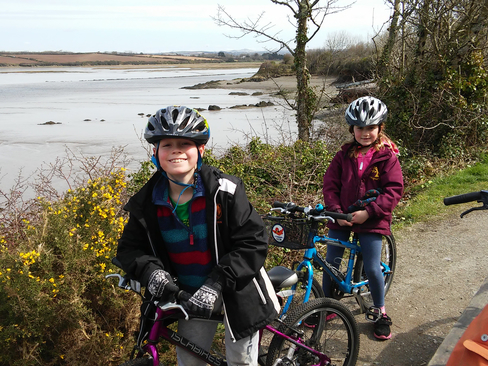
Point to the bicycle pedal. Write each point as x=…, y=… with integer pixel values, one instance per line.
x=373, y=314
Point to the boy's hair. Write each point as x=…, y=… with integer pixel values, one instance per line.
x=383, y=141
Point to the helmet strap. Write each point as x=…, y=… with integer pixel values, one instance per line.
x=155, y=160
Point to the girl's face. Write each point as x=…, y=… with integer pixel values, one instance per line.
x=366, y=135
x=178, y=158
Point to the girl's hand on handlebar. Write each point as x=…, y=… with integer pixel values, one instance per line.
x=344, y=222
x=359, y=217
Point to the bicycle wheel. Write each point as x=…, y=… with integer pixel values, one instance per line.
x=332, y=331
x=140, y=362
x=388, y=256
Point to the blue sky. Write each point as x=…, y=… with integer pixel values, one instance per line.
x=152, y=26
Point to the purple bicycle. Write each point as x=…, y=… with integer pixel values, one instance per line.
x=320, y=332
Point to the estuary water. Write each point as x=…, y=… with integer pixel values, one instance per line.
x=96, y=109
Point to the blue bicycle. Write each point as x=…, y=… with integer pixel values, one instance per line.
x=297, y=228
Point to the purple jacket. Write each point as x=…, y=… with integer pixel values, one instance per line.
x=342, y=188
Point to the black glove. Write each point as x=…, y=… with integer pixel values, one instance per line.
x=161, y=284
x=202, y=303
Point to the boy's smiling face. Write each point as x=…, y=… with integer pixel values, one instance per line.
x=178, y=157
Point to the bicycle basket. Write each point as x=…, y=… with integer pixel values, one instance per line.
x=287, y=232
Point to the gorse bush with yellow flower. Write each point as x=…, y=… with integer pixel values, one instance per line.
x=56, y=306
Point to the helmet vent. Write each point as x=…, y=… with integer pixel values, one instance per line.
x=150, y=126
x=164, y=123
x=200, y=127
x=184, y=123
x=175, y=114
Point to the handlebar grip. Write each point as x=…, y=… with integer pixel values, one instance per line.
x=279, y=204
x=462, y=198
x=338, y=216
x=290, y=206
x=116, y=262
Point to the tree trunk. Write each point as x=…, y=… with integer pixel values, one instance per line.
x=384, y=60
x=304, y=97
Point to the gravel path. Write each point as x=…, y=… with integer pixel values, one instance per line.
x=440, y=266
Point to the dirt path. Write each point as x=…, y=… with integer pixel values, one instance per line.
x=441, y=265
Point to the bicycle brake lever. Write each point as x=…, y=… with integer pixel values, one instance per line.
x=282, y=210
x=122, y=281
x=321, y=218
x=171, y=306
x=484, y=207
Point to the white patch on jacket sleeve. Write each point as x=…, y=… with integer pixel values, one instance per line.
x=227, y=186
x=270, y=290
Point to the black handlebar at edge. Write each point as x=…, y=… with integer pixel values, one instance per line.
x=481, y=196
x=291, y=207
x=463, y=198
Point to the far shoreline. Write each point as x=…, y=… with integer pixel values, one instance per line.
x=272, y=85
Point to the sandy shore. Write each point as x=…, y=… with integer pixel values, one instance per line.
x=288, y=83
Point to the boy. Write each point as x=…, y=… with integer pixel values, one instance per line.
x=192, y=222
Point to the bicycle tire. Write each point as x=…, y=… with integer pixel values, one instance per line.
x=337, y=337
x=140, y=362
x=388, y=256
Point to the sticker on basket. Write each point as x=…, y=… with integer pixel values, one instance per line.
x=278, y=233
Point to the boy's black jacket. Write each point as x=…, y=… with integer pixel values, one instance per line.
x=236, y=236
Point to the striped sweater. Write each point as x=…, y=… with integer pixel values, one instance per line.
x=186, y=245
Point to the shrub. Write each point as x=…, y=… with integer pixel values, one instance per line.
x=292, y=172
x=57, y=308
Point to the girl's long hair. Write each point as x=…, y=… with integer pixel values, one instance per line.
x=382, y=142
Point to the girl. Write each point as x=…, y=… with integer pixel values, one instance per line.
x=366, y=165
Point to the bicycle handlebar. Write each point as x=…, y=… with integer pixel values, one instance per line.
x=481, y=196
x=463, y=198
x=128, y=283
x=318, y=211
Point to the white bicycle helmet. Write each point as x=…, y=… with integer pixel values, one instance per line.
x=366, y=111
x=177, y=121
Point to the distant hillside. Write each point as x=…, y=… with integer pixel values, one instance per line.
x=86, y=59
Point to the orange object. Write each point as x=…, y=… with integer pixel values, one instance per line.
x=472, y=347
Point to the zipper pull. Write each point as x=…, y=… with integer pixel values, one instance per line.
x=361, y=166
x=191, y=239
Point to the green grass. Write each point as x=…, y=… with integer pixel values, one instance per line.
x=428, y=202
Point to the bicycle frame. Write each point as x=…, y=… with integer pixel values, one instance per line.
x=158, y=331
x=345, y=283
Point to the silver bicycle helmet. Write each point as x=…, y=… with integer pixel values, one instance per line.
x=177, y=121
x=366, y=111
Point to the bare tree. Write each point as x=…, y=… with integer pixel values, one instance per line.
x=308, y=17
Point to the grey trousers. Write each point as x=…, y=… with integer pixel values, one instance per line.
x=201, y=332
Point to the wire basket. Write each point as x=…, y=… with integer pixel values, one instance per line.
x=287, y=232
